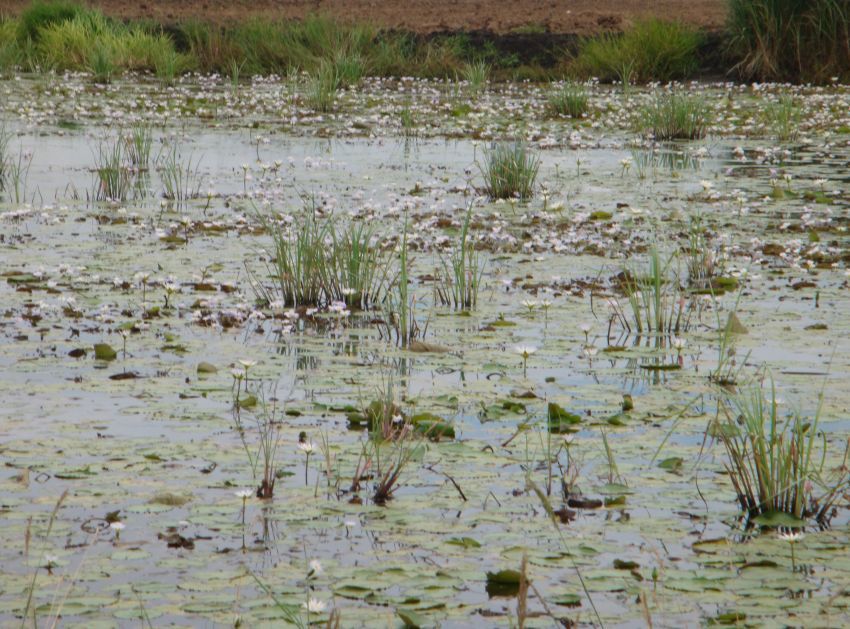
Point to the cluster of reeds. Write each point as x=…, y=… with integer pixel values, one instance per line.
x=799, y=40
x=783, y=118
x=510, y=171
x=571, y=99
x=400, y=310
x=317, y=261
x=674, y=116
x=476, y=74
x=701, y=258
x=113, y=173
x=462, y=270
x=322, y=87
x=777, y=463
x=656, y=302
x=181, y=178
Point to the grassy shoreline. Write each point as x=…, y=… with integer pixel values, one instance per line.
x=64, y=36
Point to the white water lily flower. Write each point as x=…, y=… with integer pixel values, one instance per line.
x=314, y=605
x=525, y=350
x=117, y=526
x=247, y=363
x=306, y=446
x=315, y=567
x=678, y=343
x=791, y=537
x=244, y=493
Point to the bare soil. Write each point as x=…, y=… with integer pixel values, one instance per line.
x=577, y=17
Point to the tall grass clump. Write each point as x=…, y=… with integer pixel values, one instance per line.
x=674, y=116
x=510, y=171
x=43, y=14
x=400, y=302
x=460, y=281
x=655, y=301
x=10, y=50
x=138, y=141
x=476, y=74
x=783, y=118
x=571, y=100
x=300, y=269
x=181, y=179
x=321, y=88
x=114, y=177
x=777, y=463
x=652, y=50
x=360, y=272
x=94, y=43
x=798, y=40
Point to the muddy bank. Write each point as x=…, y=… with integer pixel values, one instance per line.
x=574, y=17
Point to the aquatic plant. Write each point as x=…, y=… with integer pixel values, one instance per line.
x=476, y=74
x=510, y=171
x=777, y=464
x=651, y=50
x=321, y=87
x=300, y=267
x=407, y=122
x=726, y=372
x=16, y=171
x=268, y=436
x=701, y=258
x=460, y=281
x=400, y=303
x=181, y=179
x=138, y=141
x=359, y=272
x=571, y=100
x=388, y=470
x=783, y=118
x=114, y=178
x=675, y=116
x=5, y=137
x=802, y=40
x=656, y=303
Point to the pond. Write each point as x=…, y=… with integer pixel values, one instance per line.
x=536, y=436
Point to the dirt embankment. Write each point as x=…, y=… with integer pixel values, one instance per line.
x=575, y=17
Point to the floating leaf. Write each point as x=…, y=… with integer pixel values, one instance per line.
x=568, y=600
x=672, y=464
x=104, y=351
x=776, y=519
x=466, y=542
x=410, y=618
